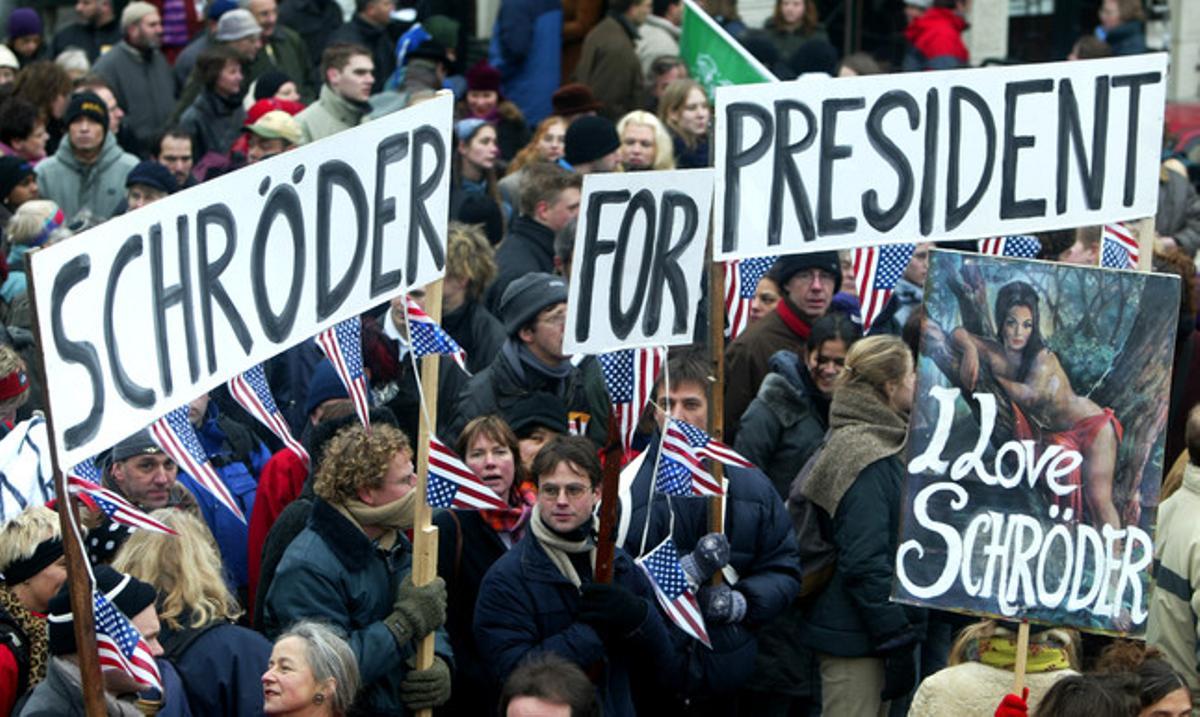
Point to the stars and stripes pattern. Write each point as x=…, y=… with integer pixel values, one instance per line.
x=251, y=390
x=120, y=644
x=175, y=435
x=342, y=343
x=429, y=338
x=629, y=376
x=1022, y=246
x=671, y=588
x=705, y=445
x=112, y=504
x=680, y=472
x=741, y=283
x=1118, y=247
x=452, y=485
x=876, y=271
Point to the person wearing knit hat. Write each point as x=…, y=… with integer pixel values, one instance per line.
x=809, y=282
x=8, y=66
x=147, y=183
x=18, y=182
x=485, y=101
x=239, y=31
x=535, y=418
x=574, y=100
x=25, y=35
x=36, y=223
x=60, y=693
x=533, y=309
x=277, y=85
x=138, y=74
x=31, y=572
x=274, y=133
x=592, y=145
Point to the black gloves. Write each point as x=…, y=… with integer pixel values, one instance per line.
x=721, y=604
x=899, y=673
x=710, y=555
x=612, y=609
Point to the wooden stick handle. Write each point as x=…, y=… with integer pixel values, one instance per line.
x=606, y=542
x=716, y=404
x=1022, y=657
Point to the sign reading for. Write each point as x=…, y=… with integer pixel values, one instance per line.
x=638, y=261
x=822, y=164
x=164, y=303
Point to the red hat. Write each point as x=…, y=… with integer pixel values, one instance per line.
x=270, y=104
x=483, y=77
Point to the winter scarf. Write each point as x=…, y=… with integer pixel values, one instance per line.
x=395, y=516
x=1047, y=651
x=34, y=628
x=557, y=547
x=522, y=500
x=864, y=429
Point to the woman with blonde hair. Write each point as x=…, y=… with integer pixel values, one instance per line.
x=685, y=111
x=36, y=223
x=220, y=663
x=645, y=143
x=864, y=641
x=547, y=145
x=980, y=671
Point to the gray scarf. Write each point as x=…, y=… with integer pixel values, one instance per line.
x=522, y=359
x=557, y=547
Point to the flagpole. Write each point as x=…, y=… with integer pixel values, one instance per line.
x=425, y=534
x=77, y=570
x=716, y=405
x=609, y=489
x=1145, y=234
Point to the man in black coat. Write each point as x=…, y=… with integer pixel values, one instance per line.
x=369, y=28
x=548, y=199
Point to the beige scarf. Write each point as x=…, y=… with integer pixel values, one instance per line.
x=393, y=517
x=557, y=547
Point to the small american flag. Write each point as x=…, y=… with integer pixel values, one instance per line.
x=452, y=485
x=741, y=282
x=250, y=389
x=1022, y=246
x=1118, y=247
x=671, y=588
x=705, y=445
x=112, y=504
x=342, y=343
x=175, y=435
x=629, y=376
x=680, y=472
x=876, y=271
x=429, y=338
x=121, y=645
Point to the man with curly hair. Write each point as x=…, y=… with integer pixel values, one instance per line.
x=351, y=567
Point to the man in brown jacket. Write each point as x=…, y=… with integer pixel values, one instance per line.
x=609, y=62
x=809, y=282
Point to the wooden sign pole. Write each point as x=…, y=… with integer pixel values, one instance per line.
x=716, y=404
x=425, y=533
x=77, y=570
x=609, y=489
x=1022, y=657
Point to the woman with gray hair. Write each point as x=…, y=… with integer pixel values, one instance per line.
x=312, y=671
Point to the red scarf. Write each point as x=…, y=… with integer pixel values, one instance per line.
x=512, y=520
x=792, y=319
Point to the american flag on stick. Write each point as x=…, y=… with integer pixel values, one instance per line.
x=1021, y=246
x=429, y=338
x=741, y=282
x=629, y=375
x=705, y=445
x=251, y=390
x=112, y=504
x=671, y=588
x=452, y=485
x=876, y=271
x=120, y=644
x=1118, y=247
x=342, y=343
x=680, y=472
x=175, y=435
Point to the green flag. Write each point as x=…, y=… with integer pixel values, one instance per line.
x=712, y=56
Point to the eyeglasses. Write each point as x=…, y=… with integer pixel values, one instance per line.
x=559, y=318
x=573, y=491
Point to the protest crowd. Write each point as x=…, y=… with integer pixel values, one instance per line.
x=309, y=602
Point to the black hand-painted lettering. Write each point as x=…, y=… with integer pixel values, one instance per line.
x=1010, y=206
x=286, y=201
x=1070, y=135
x=593, y=248
x=209, y=280
x=738, y=157
x=624, y=321
x=666, y=271
x=831, y=151
x=336, y=173
x=786, y=173
x=419, y=223
x=957, y=213
x=81, y=352
x=1134, y=83
x=134, y=394
x=391, y=150
x=884, y=220
x=164, y=297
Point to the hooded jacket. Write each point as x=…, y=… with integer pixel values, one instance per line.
x=98, y=187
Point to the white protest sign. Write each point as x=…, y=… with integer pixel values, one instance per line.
x=638, y=261
x=153, y=308
x=821, y=164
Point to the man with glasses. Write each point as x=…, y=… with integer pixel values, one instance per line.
x=531, y=360
x=809, y=282
x=540, y=597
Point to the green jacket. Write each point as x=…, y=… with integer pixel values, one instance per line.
x=330, y=114
x=98, y=187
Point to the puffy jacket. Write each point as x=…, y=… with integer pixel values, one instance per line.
x=785, y=422
x=98, y=187
x=526, y=605
x=214, y=122
x=221, y=666
x=330, y=114
x=238, y=457
x=853, y=616
x=144, y=86
x=526, y=48
x=528, y=248
x=935, y=41
x=333, y=572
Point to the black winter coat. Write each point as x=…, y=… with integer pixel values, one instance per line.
x=221, y=666
x=853, y=616
x=376, y=39
x=785, y=422
x=315, y=21
x=528, y=248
